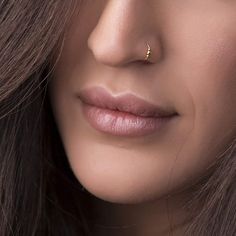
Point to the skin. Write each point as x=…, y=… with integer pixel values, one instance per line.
x=193, y=71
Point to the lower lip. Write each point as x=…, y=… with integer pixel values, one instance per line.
x=122, y=123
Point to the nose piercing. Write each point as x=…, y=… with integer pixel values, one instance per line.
x=148, y=54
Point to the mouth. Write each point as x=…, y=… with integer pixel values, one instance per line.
x=123, y=115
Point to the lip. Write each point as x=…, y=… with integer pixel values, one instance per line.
x=130, y=103
x=122, y=115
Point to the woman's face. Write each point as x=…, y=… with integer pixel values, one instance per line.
x=192, y=71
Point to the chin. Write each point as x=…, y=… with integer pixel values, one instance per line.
x=117, y=187
x=121, y=195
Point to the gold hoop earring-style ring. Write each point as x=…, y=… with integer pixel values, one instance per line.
x=148, y=54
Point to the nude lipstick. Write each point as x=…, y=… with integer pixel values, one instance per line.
x=122, y=115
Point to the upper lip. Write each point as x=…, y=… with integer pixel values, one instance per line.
x=128, y=102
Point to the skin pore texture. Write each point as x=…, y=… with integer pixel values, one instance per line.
x=192, y=70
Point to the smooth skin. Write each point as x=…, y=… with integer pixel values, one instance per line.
x=192, y=70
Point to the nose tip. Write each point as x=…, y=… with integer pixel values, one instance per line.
x=113, y=53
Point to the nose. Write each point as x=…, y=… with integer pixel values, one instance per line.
x=122, y=33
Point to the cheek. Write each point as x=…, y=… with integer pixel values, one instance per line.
x=207, y=63
x=212, y=83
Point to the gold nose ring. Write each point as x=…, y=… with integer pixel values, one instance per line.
x=148, y=54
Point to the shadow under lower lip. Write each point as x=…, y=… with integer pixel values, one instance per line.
x=122, y=123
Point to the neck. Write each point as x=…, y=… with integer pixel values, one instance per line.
x=165, y=216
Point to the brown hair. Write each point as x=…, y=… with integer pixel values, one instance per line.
x=213, y=203
x=39, y=194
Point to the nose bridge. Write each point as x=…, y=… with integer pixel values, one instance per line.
x=122, y=32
